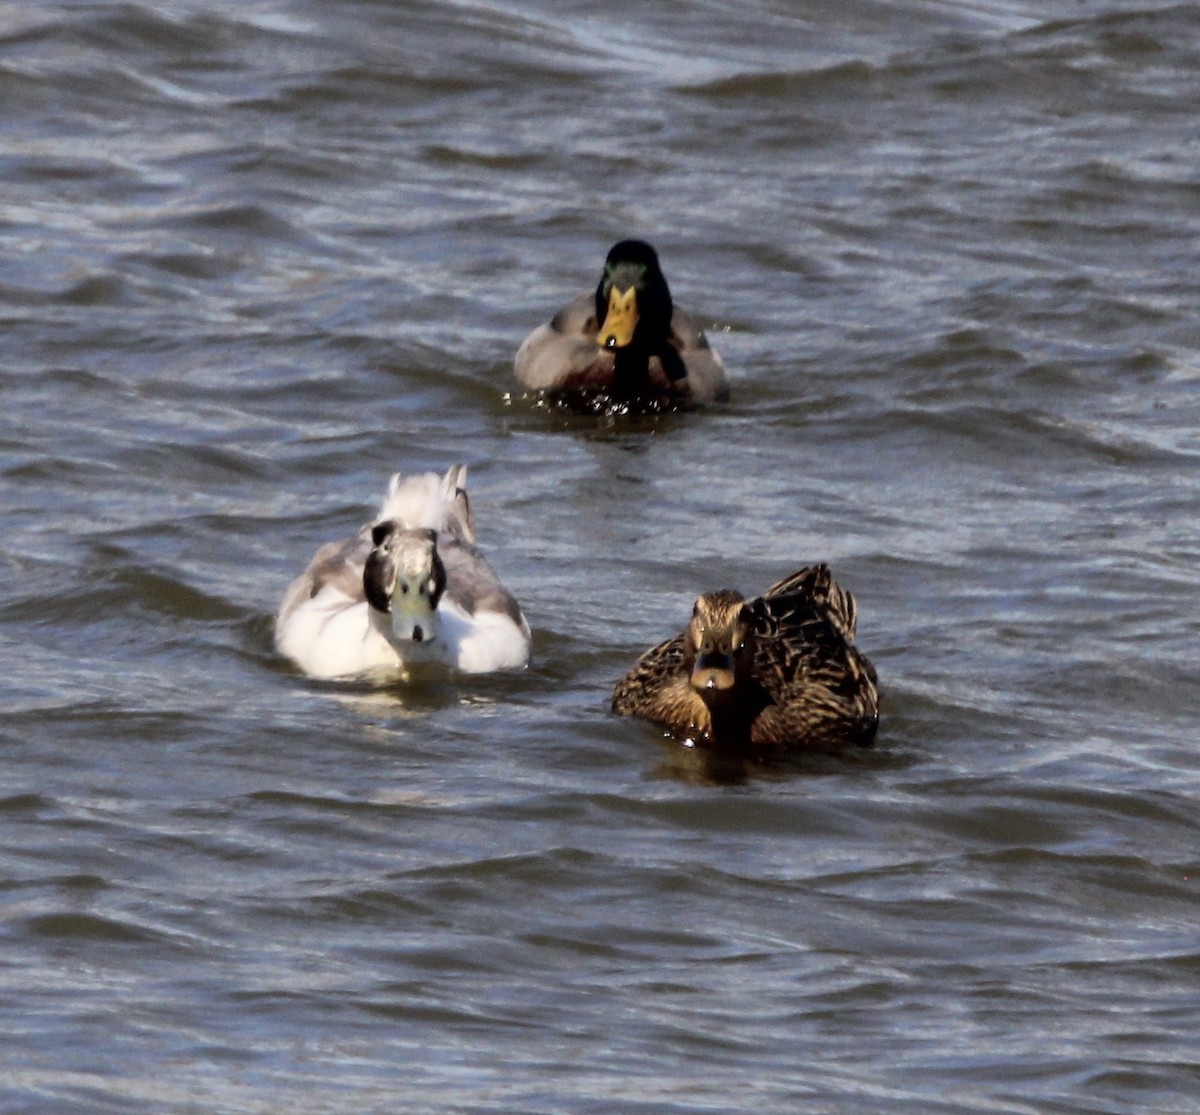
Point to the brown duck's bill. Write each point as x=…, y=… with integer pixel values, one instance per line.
x=713, y=671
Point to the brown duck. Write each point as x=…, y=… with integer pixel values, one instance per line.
x=779, y=672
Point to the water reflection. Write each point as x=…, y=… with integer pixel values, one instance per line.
x=699, y=765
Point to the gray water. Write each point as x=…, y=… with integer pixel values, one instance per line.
x=255, y=257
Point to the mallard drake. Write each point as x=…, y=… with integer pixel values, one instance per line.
x=777, y=672
x=409, y=589
x=628, y=340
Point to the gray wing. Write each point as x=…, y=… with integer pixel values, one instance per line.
x=337, y=564
x=563, y=347
x=472, y=584
x=708, y=381
x=459, y=516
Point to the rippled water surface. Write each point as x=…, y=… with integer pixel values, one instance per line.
x=255, y=257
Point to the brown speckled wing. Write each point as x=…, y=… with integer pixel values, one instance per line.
x=638, y=692
x=811, y=582
x=822, y=689
x=815, y=584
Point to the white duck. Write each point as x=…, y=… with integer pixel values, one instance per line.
x=407, y=590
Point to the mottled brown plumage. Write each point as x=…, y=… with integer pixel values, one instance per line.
x=779, y=672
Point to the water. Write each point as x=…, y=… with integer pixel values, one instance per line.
x=255, y=257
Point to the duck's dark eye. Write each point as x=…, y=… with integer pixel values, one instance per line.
x=404, y=587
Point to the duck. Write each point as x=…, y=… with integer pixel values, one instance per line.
x=627, y=341
x=409, y=591
x=775, y=674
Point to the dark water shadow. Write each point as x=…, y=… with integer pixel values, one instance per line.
x=716, y=767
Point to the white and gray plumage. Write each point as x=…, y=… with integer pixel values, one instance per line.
x=409, y=589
